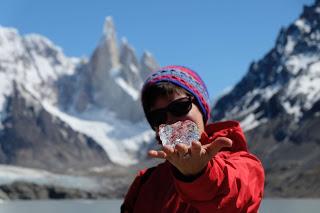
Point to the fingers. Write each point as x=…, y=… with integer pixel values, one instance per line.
x=157, y=154
x=182, y=150
x=195, y=149
x=218, y=144
x=167, y=152
x=223, y=142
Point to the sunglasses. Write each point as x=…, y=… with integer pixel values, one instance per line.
x=177, y=108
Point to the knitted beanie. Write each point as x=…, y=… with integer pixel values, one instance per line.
x=185, y=78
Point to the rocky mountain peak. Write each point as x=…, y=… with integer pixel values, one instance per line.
x=70, y=104
x=110, y=68
x=106, y=55
x=109, y=31
x=284, y=81
x=304, y=34
x=127, y=54
x=277, y=103
x=9, y=40
x=148, y=63
x=130, y=65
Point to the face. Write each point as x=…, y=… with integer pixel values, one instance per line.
x=194, y=114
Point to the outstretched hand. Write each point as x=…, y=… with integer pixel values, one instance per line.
x=191, y=160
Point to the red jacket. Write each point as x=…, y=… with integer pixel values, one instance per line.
x=233, y=181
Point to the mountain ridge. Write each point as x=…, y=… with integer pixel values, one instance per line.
x=277, y=103
x=61, y=92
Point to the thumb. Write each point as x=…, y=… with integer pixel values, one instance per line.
x=214, y=147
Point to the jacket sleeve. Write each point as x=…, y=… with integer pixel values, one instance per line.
x=231, y=182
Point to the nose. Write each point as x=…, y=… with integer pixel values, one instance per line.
x=171, y=118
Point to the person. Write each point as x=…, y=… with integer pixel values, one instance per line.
x=215, y=174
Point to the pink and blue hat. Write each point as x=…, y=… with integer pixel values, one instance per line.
x=185, y=78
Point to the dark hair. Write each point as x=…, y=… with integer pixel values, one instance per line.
x=162, y=89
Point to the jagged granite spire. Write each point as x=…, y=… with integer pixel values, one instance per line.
x=60, y=96
x=148, y=64
x=106, y=55
x=110, y=80
x=130, y=66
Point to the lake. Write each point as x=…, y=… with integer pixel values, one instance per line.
x=113, y=206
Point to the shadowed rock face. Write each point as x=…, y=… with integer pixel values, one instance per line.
x=277, y=102
x=36, y=71
x=290, y=154
x=32, y=137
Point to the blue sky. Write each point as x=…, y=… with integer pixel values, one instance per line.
x=218, y=39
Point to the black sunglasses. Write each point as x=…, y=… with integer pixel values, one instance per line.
x=177, y=108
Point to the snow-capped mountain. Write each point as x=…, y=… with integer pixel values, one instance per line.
x=288, y=73
x=63, y=114
x=277, y=102
x=111, y=79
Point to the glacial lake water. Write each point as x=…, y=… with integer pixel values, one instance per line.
x=113, y=206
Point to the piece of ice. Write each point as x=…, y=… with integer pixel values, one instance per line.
x=180, y=132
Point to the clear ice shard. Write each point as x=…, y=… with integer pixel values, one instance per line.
x=180, y=132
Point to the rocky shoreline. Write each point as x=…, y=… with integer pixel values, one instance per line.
x=33, y=191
